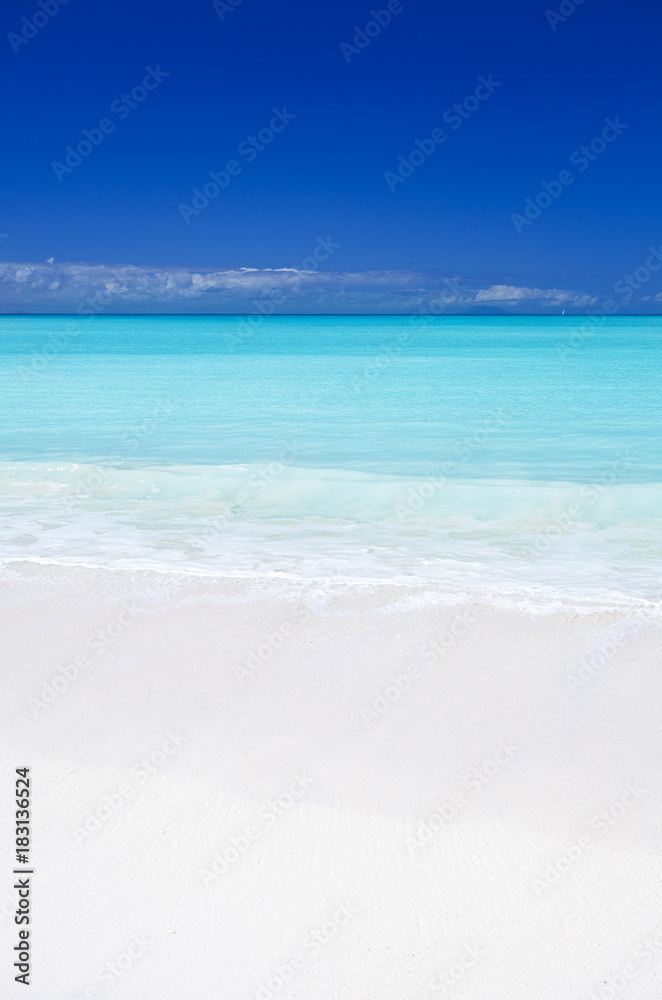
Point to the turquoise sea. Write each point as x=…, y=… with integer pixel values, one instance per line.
x=499, y=452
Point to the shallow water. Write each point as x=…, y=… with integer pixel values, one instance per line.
x=497, y=451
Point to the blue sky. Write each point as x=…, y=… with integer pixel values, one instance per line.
x=309, y=127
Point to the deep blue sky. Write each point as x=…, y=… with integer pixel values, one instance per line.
x=324, y=174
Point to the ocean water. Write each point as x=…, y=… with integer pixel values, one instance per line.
x=497, y=452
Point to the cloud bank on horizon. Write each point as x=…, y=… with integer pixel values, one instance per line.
x=68, y=287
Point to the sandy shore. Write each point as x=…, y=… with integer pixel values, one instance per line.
x=249, y=789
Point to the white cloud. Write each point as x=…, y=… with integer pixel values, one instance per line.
x=66, y=287
x=513, y=293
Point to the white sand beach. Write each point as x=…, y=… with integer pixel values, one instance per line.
x=260, y=788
